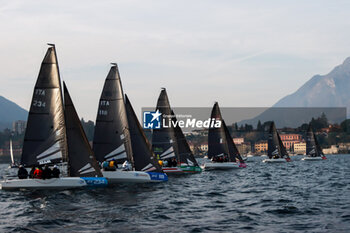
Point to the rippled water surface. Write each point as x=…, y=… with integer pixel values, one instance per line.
x=304, y=196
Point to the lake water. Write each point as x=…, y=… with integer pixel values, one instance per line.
x=296, y=196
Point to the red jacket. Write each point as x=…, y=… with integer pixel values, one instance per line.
x=38, y=173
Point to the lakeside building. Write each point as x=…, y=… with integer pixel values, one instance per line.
x=289, y=140
x=6, y=152
x=261, y=146
x=238, y=141
x=300, y=148
x=19, y=127
x=332, y=150
x=244, y=148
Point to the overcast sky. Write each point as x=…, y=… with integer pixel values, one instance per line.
x=240, y=53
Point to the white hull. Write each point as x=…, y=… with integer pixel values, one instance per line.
x=220, y=166
x=274, y=160
x=54, y=183
x=312, y=158
x=115, y=177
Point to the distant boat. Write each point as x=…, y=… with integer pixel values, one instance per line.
x=118, y=137
x=45, y=140
x=276, y=152
x=13, y=162
x=221, y=149
x=169, y=144
x=313, y=149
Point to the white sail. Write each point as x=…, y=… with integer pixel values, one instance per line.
x=11, y=153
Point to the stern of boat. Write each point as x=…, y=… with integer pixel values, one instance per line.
x=157, y=176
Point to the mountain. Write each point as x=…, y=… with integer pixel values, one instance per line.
x=328, y=93
x=330, y=90
x=9, y=112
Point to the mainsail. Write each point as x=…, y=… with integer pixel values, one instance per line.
x=313, y=148
x=163, y=139
x=45, y=136
x=182, y=148
x=220, y=141
x=81, y=160
x=111, y=121
x=143, y=158
x=276, y=148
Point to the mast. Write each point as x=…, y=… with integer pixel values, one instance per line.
x=163, y=143
x=45, y=137
x=111, y=139
x=143, y=157
x=217, y=141
x=81, y=159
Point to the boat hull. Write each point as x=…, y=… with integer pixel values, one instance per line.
x=54, y=183
x=115, y=177
x=314, y=158
x=223, y=166
x=276, y=160
x=181, y=170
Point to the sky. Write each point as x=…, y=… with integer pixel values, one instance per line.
x=240, y=53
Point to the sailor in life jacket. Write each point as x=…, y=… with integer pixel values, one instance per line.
x=38, y=173
x=126, y=166
x=105, y=165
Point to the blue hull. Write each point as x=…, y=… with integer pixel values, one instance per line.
x=157, y=176
x=95, y=181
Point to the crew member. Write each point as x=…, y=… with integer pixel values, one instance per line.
x=55, y=172
x=22, y=172
x=111, y=165
x=105, y=165
x=31, y=173
x=126, y=166
x=38, y=173
x=46, y=172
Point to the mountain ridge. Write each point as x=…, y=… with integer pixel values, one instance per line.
x=327, y=93
x=9, y=112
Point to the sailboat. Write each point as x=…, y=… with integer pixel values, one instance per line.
x=118, y=136
x=222, y=151
x=49, y=141
x=313, y=149
x=13, y=162
x=169, y=143
x=276, y=152
x=187, y=161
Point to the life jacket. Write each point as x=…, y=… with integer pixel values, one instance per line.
x=105, y=164
x=111, y=164
x=38, y=173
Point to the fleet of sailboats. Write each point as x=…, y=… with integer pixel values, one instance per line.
x=55, y=136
